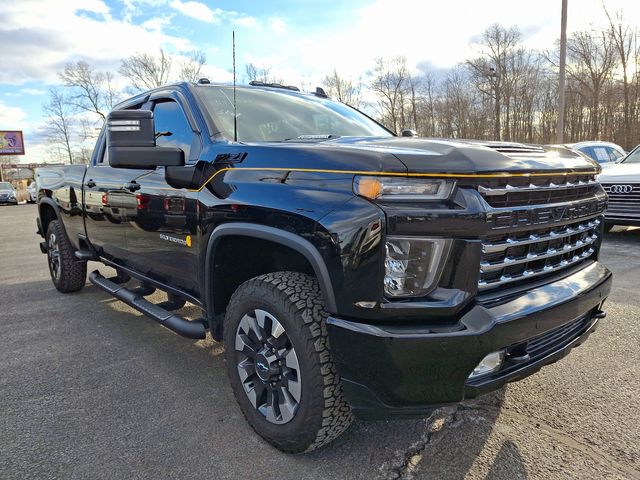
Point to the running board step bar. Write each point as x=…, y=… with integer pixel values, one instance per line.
x=85, y=255
x=186, y=328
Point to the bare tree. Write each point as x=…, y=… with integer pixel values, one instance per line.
x=591, y=56
x=342, y=89
x=191, y=65
x=261, y=74
x=624, y=40
x=91, y=91
x=60, y=122
x=146, y=71
x=490, y=69
x=389, y=83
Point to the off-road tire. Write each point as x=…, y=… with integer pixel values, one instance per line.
x=295, y=300
x=72, y=273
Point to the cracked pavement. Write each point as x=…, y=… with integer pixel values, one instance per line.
x=90, y=389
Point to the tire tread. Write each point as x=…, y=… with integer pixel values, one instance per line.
x=300, y=295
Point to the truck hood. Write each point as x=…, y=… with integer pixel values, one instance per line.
x=6, y=191
x=425, y=155
x=626, y=172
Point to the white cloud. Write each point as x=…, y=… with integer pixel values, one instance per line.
x=95, y=6
x=49, y=33
x=197, y=10
x=437, y=33
x=277, y=24
x=33, y=91
x=156, y=24
x=11, y=118
x=245, y=21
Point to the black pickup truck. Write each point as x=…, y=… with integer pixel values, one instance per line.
x=347, y=270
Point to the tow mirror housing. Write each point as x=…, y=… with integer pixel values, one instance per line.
x=192, y=177
x=131, y=142
x=407, y=132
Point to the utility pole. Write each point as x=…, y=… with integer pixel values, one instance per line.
x=563, y=73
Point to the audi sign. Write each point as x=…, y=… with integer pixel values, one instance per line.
x=620, y=189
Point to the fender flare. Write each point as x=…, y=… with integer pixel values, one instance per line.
x=276, y=235
x=50, y=202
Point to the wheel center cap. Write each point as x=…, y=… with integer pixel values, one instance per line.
x=263, y=367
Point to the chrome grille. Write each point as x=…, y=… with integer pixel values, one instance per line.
x=539, y=190
x=512, y=257
x=624, y=200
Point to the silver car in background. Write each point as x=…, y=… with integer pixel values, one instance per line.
x=8, y=194
x=601, y=152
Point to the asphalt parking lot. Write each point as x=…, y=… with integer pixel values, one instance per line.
x=89, y=389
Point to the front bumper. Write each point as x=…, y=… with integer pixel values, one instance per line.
x=8, y=201
x=408, y=370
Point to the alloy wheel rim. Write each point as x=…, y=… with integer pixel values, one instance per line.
x=53, y=252
x=268, y=366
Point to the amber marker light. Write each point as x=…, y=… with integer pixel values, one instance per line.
x=369, y=187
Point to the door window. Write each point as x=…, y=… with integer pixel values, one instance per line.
x=602, y=156
x=172, y=127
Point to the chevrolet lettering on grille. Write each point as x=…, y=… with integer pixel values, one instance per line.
x=544, y=215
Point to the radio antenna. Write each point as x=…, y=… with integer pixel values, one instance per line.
x=235, y=113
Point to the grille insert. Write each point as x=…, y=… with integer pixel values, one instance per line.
x=623, y=203
x=514, y=257
x=521, y=191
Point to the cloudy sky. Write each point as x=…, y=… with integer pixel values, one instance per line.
x=301, y=40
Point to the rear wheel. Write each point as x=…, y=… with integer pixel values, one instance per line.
x=279, y=363
x=67, y=272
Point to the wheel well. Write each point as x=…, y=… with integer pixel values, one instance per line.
x=238, y=259
x=47, y=214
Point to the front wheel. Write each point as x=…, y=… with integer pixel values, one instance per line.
x=67, y=272
x=279, y=363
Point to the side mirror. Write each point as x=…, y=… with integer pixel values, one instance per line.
x=131, y=142
x=407, y=132
x=191, y=177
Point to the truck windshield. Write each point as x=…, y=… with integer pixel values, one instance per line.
x=6, y=186
x=278, y=116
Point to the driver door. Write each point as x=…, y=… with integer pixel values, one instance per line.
x=161, y=237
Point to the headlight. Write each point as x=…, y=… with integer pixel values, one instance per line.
x=402, y=188
x=413, y=265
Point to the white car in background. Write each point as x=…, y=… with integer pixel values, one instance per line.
x=601, y=152
x=622, y=183
x=32, y=190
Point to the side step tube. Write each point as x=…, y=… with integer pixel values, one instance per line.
x=186, y=328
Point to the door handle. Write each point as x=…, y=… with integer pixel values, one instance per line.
x=132, y=186
x=91, y=183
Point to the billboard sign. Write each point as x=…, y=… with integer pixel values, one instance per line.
x=11, y=142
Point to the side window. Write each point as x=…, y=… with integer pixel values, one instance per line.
x=615, y=154
x=170, y=120
x=588, y=151
x=602, y=156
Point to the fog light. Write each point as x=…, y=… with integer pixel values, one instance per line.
x=489, y=364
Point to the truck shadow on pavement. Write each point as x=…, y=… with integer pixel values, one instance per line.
x=108, y=376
